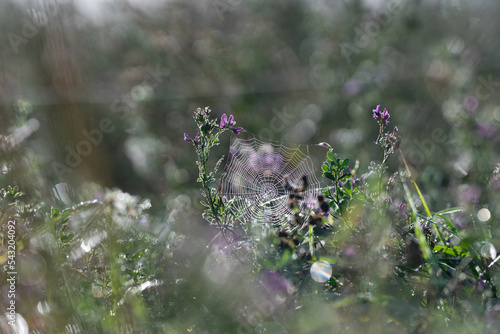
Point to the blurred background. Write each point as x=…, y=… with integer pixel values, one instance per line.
x=99, y=93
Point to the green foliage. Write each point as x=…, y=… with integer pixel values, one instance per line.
x=206, y=138
x=344, y=186
x=374, y=245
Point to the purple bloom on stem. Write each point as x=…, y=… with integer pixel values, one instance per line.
x=223, y=121
x=385, y=115
x=197, y=138
x=186, y=137
x=237, y=130
x=381, y=117
x=376, y=113
x=231, y=120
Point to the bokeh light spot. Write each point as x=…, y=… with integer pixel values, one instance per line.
x=321, y=271
x=484, y=215
x=17, y=326
x=24, y=106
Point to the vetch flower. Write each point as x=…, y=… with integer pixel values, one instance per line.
x=385, y=115
x=223, y=121
x=237, y=130
x=231, y=120
x=324, y=144
x=197, y=138
x=186, y=137
x=376, y=113
x=381, y=117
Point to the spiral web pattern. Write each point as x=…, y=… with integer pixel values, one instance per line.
x=255, y=179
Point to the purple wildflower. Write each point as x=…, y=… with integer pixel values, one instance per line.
x=481, y=282
x=325, y=145
x=385, y=115
x=381, y=117
x=186, y=138
x=197, y=138
x=376, y=113
x=237, y=130
x=223, y=121
x=231, y=120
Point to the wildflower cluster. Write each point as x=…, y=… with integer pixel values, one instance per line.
x=206, y=138
x=207, y=126
x=387, y=140
x=381, y=117
x=229, y=123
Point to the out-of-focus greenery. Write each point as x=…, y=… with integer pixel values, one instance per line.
x=96, y=96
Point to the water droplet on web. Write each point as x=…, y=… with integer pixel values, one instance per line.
x=61, y=191
x=488, y=250
x=85, y=246
x=321, y=271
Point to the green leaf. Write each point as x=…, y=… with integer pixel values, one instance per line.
x=54, y=212
x=448, y=211
x=138, y=254
x=66, y=238
x=448, y=222
x=325, y=168
x=348, y=187
x=329, y=176
x=451, y=250
x=330, y=155
x=344, y=163
x=345, y=177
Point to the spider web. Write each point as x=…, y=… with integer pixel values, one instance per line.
x=256, y=175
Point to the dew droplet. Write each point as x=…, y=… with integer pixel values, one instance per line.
x=488, y=250
x=321, y=271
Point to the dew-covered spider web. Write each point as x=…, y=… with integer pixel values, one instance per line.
x=260, y=177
